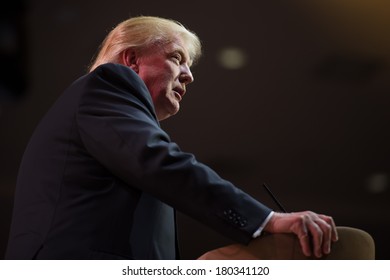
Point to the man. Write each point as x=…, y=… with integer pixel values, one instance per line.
x=99, y=171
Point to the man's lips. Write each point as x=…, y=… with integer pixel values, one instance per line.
x=178, y=96
x=179, y=93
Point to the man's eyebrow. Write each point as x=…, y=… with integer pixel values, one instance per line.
x=178, y=50
x=185, y=56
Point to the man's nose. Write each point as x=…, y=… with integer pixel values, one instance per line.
x=186, y=75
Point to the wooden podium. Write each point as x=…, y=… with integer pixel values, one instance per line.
x=353, y=244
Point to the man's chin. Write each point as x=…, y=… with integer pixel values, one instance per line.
x=166, y=115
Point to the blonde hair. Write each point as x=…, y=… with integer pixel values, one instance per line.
x=142, y=32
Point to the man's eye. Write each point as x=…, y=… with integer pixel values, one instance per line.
x=177, y=57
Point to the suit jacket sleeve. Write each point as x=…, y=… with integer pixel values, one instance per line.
x=118, y=126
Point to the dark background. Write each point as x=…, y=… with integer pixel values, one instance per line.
x=307, y=113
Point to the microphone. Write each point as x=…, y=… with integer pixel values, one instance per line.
x=274, y=198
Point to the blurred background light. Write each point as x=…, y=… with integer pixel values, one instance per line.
x=232, y=58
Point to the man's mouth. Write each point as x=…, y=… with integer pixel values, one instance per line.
x=179, y=93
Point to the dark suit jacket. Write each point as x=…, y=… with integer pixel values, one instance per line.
x=99, y=170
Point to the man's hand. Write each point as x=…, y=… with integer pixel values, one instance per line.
x=315, y=231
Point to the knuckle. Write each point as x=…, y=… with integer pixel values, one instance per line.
x=327, y=227
x=303, y=218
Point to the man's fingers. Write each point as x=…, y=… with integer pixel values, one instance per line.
x=323, y=231
x=315, y=232
x=304, y=240
x=330, y=231
x=310, y=235
x=317, y=237
x=332, y=224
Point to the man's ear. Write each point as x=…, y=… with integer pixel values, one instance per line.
x=130, y=58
